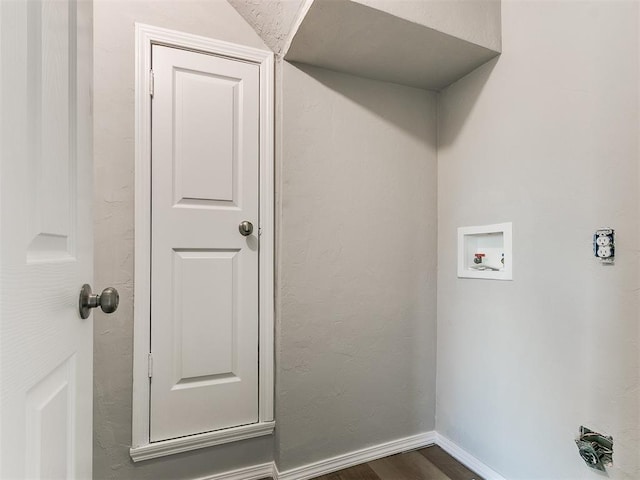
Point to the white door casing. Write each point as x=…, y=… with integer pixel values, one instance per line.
x=46, y=349
x=203, y=292
x=204, y=284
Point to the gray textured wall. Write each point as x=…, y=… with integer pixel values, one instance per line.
x=357, y=264
x=114, y=231
x=546, y=137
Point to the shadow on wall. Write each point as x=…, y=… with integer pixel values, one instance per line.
x=466, y=100
x=364, y=95
x=367, y=94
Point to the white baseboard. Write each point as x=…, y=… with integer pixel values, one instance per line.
x=357, y=457
x=254, y=472
x=467, y=459
x=200, y=440
x=339, y=462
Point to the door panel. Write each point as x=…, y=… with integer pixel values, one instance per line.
x=49, y=417
x=51, y=57
x=46, y=349
x=204, y=284
x=204, y=348
x=205, y=126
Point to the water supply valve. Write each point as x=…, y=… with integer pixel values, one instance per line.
x=478, y=258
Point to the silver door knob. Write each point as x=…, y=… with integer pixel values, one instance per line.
x=107, y=300
x=246, y=228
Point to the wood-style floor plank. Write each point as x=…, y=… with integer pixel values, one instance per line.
x=431, y=463
x=407, y=466
x=449, y=465
x=359, y=472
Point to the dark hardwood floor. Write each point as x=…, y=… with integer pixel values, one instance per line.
x=431, y=463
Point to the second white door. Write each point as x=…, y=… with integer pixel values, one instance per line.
x=204, y=271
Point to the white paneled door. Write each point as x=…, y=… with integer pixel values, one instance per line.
x=204, y=269
x=46, y=354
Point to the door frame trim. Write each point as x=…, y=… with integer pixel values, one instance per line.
x=146, y=36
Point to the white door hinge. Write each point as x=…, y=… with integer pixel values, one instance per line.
x=150, y=367
x=151, y=83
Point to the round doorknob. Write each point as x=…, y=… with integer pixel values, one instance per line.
x=107, y=300
x=246, y=228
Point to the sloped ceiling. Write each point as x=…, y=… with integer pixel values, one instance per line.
x=476, y=21
x=421, y=43
x=348, y=36
x=273, y=20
